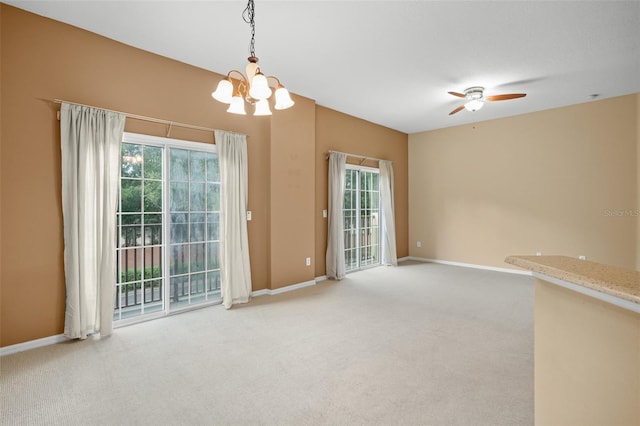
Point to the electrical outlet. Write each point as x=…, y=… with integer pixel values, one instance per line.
x=419, y=243
x=539, y=253
x=308, y=261
x=582, y=257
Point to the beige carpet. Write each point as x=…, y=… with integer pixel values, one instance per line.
x=421, y=344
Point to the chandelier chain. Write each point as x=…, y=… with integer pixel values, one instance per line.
x=248, y=15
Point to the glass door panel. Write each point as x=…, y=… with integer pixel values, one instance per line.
x=139, y=286
x=194, y=210
x=361, y=211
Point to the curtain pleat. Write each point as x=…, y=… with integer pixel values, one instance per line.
x=235, y=267
x=389, y=256
x=335, y=234
x=90, y=147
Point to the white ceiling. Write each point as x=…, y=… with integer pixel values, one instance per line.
x=392, y=62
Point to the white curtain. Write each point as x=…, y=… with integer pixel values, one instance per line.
x=335, y=234
x=235, y=269
x=389, y=256
x=90, y=145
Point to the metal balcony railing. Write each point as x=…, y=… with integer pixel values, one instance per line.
x=140, y=269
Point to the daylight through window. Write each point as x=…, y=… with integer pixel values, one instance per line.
x=168, y=226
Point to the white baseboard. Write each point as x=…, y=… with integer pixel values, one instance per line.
x=291, y=287
x=45, y=341
x=51, y=340
x=470, y=265
x=32, y=344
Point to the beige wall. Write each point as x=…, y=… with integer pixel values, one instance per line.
x=291, y=195
x=540, y=182
x=1, y=184
x=638, y=181
x=340, y=132
x=587, y=360
x=43, y=60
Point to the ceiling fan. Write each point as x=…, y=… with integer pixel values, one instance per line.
x=475, y=98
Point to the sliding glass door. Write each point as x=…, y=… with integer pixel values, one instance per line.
x=361, y=213
x=168, y=218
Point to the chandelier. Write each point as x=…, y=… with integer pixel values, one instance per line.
x=254, y=88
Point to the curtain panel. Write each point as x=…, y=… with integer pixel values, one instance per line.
x=389, y=255
x=235, y=267
x=90, y=147
x=335, y=267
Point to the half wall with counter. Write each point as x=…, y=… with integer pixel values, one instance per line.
x=587, y=341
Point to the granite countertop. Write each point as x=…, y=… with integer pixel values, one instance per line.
x=611, y=280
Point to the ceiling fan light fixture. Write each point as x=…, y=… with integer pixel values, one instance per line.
x=475, y=98
x=474, y=105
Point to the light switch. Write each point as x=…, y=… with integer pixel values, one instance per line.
x=324, y=213
x=248, y=214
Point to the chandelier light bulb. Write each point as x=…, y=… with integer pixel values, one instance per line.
x=223, y=92
x=237, y=106
x=262, y=108
x=259, y=87
x=283, y=99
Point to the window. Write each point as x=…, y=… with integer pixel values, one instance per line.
x=361, y=212
x=168, y=226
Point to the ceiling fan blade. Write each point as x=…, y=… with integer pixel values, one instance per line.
x=460, y=108
x=505, y=97
x=460, y=95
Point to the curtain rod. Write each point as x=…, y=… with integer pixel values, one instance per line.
x=145, y=118
x=364, y=158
